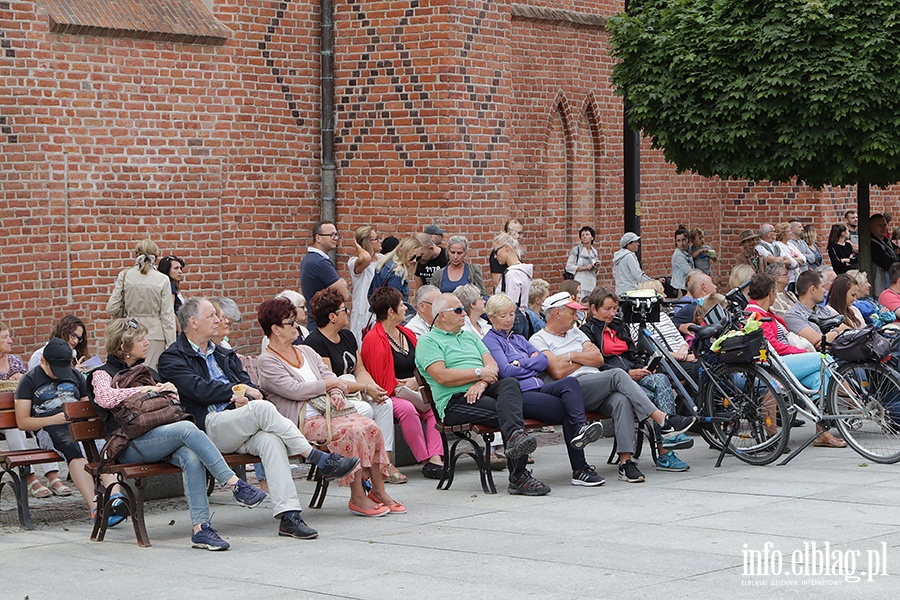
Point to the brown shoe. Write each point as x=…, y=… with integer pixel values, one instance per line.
x=827, y=440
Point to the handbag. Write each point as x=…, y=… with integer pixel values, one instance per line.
x=566, y=274
x=137, y=414
x=860, y=345
x=322, y=404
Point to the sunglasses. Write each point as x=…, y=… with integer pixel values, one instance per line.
x=290, y=323
x=458, y=310
x=344, y=309
x=133, y=324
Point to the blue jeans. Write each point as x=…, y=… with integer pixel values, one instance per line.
x=185, y=446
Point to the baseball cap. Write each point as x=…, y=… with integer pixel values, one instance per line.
x=58, y=354
x=434, y=230
x=628, y=238
x=561, y=299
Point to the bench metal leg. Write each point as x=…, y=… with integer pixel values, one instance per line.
x=484, y=465
x=20, y=491
x=318, y=497
x=137, y=514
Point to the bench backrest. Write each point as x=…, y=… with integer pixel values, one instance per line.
x=7, y=410
x=85, y=425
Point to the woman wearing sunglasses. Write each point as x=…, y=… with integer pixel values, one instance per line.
x=145, y=294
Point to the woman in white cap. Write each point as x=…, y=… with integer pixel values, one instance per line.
x=626, y=266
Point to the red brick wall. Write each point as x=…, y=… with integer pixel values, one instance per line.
x=455, y=112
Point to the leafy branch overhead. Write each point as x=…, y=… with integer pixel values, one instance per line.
x=766, y=89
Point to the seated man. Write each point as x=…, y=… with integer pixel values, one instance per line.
x=464, y=382
x=699, y=285
x=811, y=292
x=421, y=323
x=610, y=392
x=204, y=375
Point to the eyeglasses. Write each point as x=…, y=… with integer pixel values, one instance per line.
x=133, y=324
x=458, y=310
x=75, y=336
x=334, y=234
x=342, y=309
x=290, y=323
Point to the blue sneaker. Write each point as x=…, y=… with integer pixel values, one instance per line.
x=670, y=462
x=247, y=495
x=111, y=521
x=208, y=539
x=679, y=442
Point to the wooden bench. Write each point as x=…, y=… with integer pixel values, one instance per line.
x=482, y=454
x=86, y=426
x=17, y=463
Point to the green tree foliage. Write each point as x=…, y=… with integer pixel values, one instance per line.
x=766, y=89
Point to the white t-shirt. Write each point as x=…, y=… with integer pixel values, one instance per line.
x=359, y=317
x=573, y=341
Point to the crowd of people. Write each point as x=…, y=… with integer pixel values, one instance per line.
x=494, y=351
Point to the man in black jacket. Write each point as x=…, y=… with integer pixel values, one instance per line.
x=240, y=421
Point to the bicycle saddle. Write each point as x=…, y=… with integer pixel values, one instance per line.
x=706, y=331
x=828, y=323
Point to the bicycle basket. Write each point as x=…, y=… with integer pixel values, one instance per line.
x=860, y=345
x=742, y=348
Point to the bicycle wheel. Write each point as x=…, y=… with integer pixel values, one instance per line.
x=865, y=400
x=749, y=411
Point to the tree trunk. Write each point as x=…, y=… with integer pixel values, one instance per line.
x=865, y=229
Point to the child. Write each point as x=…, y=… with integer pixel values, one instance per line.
x=701, y=252
x=39, y=405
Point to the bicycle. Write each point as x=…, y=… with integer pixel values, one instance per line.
x=741, y=411
x=860, y=398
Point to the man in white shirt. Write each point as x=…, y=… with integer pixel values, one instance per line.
x=421, y=323
x=610, y=392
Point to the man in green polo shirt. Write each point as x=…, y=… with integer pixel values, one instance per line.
x=464, y=382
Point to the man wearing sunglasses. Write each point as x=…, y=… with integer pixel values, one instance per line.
x=317, y=272
x=464, y=381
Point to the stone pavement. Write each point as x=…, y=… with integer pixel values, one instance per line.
x=679, y=535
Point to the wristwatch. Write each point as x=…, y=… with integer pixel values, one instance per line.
x=478, y=373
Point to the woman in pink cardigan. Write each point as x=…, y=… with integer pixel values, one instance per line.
x=290, y=375
x=804, y=365
x=389, y=355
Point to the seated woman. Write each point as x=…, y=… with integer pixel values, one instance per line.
x=459, y=271
x=337, y=346
x=389, y=356
x=540, y=290
x=872, y=311
x=804, y=365
x=290, y=375
x=613, y=338
x=12, y=369
x=843, y=294
x=473, y=303
x=559, y=401
x=73, y=330
x=39, y=403
x=784, y=298
x=181, y=444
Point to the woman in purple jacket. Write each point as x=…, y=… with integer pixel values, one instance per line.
x=555, y=402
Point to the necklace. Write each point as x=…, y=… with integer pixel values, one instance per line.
x=296, y=365
x=398, y=345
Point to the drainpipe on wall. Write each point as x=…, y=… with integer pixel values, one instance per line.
x=328, y=169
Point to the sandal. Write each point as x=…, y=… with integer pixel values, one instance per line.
x=828, y=440
x=61, y=489
x=396, y=477
x=39, y=490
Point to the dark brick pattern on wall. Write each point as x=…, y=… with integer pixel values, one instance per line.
x=462, y=112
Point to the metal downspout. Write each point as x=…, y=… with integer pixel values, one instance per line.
x=328, y=169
